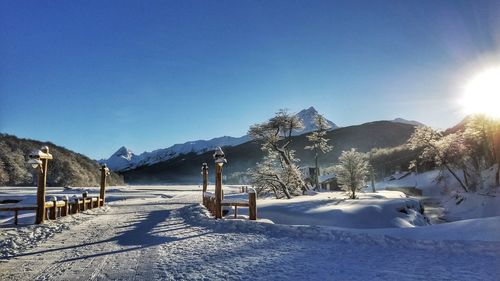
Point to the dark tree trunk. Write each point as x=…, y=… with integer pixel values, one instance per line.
x=457, y=178
x=497, y=175
x=316, y=171
x=465, y=178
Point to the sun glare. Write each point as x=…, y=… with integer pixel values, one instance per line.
x=482, y=93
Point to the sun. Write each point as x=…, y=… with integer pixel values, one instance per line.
x=482, y=93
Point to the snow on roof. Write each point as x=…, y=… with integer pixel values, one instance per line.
x=324, y=178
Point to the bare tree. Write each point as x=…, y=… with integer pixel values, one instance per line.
x=351, y=171
x=319, y=143
x=276, y=136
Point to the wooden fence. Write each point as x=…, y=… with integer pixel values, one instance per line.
x=215, y=201
x=59, y=207
x=55, y=208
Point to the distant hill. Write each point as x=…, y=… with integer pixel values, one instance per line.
x=186, y=168
x=125, y=159
x=410, y=122
x=68, y=168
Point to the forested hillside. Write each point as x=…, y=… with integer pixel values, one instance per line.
x=68, y=168
x=185, y=168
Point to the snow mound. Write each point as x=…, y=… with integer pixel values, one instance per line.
x=14, y=240
x=198, y=215
x=383, y=209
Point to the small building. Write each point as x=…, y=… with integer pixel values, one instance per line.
x=329, y=182
x=308, y=174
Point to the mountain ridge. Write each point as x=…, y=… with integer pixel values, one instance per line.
x=124, y=159
x=185, y=168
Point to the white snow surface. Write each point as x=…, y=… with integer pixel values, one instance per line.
x=163, y=233
x=383, y=209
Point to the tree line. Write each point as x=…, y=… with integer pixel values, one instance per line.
x=465, y=153
x=68, y=168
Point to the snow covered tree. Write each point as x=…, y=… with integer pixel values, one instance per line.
x=445, y=151
x=267, y=176
x=352, y=171
x=319, y=143
x=485, y=131
x=279, y=164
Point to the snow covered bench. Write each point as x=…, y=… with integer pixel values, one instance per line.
x=215, y=201
x=233, y=200
x=247, y=199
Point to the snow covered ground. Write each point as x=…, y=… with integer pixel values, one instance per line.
x=456, y=204
x=383, y=209
x=162, y=232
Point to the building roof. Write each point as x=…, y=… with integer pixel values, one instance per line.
x=325, y=178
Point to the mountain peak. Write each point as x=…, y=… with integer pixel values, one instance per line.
x=409, y=122
x=307, y=117
x=123, y=151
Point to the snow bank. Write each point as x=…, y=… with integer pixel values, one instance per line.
x=198, y=215
x=424, y=181
x=483, y=229
x=471, y=205
x=383, y=209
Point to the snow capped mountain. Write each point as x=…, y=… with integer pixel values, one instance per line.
x=124, y=159
x=409, y=122
x=121, y=160
x=307, y=118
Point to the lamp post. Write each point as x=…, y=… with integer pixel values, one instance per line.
x=220, y=159
x=104, y=173
x=204, y=174
x=38, y=159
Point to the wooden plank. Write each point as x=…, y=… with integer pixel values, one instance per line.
x=239, y=204
x=20, y=208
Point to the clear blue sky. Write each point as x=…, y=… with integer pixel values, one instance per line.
x=148, y=74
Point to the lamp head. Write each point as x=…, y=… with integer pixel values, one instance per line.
x=219, y=156
x=105, y=168
x=35, y=163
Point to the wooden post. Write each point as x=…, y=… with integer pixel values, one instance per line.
x=218, y=191
x=40, y=193
x=84, y=205
x=42, y=156
x=75, y=206
x=15, y=217
x=204, y=172
x=252, y=202
x=53, y=210
x=64, y=209
x=102, y=194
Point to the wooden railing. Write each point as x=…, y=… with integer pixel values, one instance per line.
x=58, y=208
x=215, y=201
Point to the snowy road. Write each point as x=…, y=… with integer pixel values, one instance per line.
x=159, y=238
